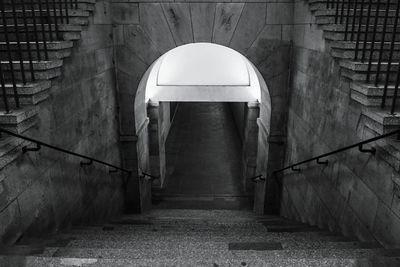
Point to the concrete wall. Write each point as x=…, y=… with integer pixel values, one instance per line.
x=48, y=190
x=144, y=30
x=356, y=193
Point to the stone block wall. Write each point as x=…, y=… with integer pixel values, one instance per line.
x=48, y=190
x=261, y=31
x=357, y=193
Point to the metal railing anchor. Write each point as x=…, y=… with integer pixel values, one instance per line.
x=371, y=150
x=90, y=162
x=325, y=162
x=33, y=149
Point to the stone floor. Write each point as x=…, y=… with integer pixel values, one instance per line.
x=204, y=152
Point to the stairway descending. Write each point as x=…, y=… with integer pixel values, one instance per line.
x=188, y=237
x=342, y=46
x=26, y=49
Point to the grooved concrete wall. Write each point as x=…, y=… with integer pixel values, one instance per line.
x=49, y=190
x=356, y=193
x=261, y=31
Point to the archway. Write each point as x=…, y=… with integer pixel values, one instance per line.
x=201, y=72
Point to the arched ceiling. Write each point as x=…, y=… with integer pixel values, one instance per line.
x=203, y=72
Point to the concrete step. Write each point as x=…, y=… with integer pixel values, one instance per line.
x=43, y=70
x=66, y=33
x=190, y=253
x=55, y=50
x=76, y=16
x=321, y=5
x=199, y=214
x=357, y=71
x=10, y=149
x=380, y=120
x=29, y=94
x=339, y=35
x=370, y=95
x=18, y=120
x=328, y=16
x=346, y=50
x=87, y=5
x=156, y=245
x=203, y=237
x=31, y=261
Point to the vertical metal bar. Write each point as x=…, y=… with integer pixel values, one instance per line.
x=48, y=15
x=46, y=55
x=353, y=24
x=396, y=89
x=27, y=39
x=342, y=11
x=381, y=50
x=372, y=48
x=76, y=4
x=392, y=44
x=17, y=38
x=61, y=13
x=66, y=11
x=346, y=31
x=35, y=30
x=366, y=31
x=4, y=90
x=337, y=12
x=55, y=18
x=359, y=30
x=6, y=37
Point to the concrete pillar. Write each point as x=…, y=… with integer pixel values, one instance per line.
x=250, y=141
x=159, y=125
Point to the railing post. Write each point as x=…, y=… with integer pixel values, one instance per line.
x=27, y=40
x=366, y=31
x=359, y=30
x=44, y=37
x=35, y=30
x=392, y=44
x=17, y=38
x=378, y=67
x=372, y=48
x=4, y=90
x=6, y=36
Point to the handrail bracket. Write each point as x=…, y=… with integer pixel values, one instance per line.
x=83, y=163
x=371, y=150
x=33, y=149
x=296, y=169
x=324, y=162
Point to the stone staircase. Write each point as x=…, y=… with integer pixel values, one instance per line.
x=377, y=120
x=187, y=237
x=32, y=93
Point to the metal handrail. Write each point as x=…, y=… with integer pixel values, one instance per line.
x=40, y=144
x=359, y=145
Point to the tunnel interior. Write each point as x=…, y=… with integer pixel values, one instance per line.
x=204, y=158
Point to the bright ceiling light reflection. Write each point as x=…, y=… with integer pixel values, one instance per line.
x=203, y=72
x=203, y=64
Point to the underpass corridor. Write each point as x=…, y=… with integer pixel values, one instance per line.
x=203, y=152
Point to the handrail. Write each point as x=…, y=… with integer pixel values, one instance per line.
x=40, y=144
x=359, y=145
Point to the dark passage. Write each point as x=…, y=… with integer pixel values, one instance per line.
x=204, y=158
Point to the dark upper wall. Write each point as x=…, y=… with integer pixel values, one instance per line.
x=356, y=193
x=143, y=31
x=47, y=190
